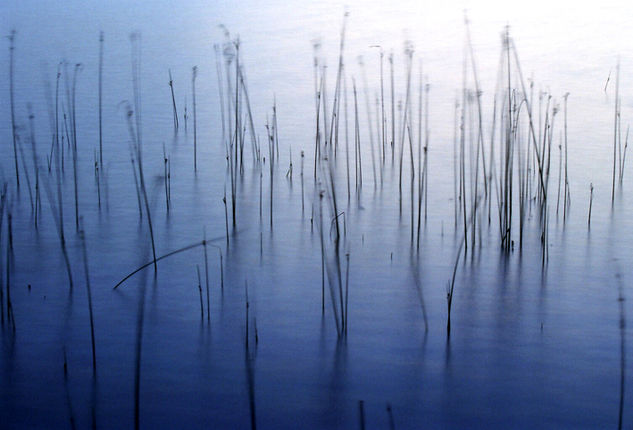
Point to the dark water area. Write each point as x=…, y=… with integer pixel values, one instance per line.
x=326, y=305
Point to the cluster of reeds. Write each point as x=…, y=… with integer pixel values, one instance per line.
x=232, y=134
x=498, y=169
x=331, y=233
x=507, y=176
x=515, y=169
x=65, y=147
x=619, y=152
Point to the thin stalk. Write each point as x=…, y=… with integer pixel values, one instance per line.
x=173, y=102
x=302, y=198
x=393, y=110
x=322, y=255
x=480, y=137
x=12, y=102
x=254, y=143
x=317, y=141
x=165, y=161
x=421, y=170
x=560, y=164
x=626, y=145
x=456, y=175
x=74, y=143
x=206, y=275
x=615, y=126
x=56, y=144
x=412, y=183
x=226, y=218
x=194, y=73
x=405, y=119
x=357, y=158
x=271, y=159
x=200, y=292
x=425, y=170
x=82, y=236
x=100, y=100
x=221, y=272
x=185, y=116
x=566, y=188
x=26, y=173
x=361, y=414
x=392, y=424
x=218, y=69
x=346, y=291
x=97, y=178
x=136, y=186
x=382, y=104
x=462, y=160
x=529, y=111
x=169, y=254
x=451, y=284
x=590, y=204
x=48, y=94
x=236, y=42
x=137, y=147
x=346, y=140
x=59, y=223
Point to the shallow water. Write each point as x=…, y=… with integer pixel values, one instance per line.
x=531, y=345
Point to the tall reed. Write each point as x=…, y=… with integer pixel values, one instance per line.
x=218, y=69
x=590, y=204
x=226, y=217
x=58, y=217
x=35, y=162
x=271, y=162
x=12, y=103
x=97, y=177
x=166, y=178
x=255, y=149
x=393, y=111
x=82, y=237
x=26, y=174
x=173, y=102
x=357, y=153
x=382, y=104
x=136, y=135
x=71, y=92
x=566, y=196
x=346, y=138
x=194, y=74
x=408, y=51
x=616, y=116
x=100, y=101
x=200, y=292
x=626, y=145
x=302, y=197
x=136, y=185
x=206, y=275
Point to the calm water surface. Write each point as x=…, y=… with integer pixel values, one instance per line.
x=531, y=345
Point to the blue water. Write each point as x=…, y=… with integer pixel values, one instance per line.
x=531, y=345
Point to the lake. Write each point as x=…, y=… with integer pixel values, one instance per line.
x=307, y=228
